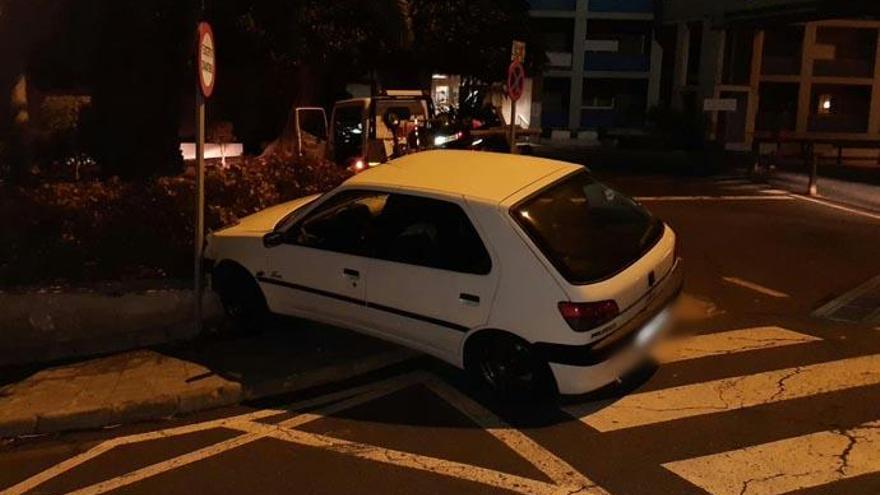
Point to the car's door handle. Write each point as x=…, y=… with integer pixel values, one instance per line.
x=469, y=299
x=352, y=274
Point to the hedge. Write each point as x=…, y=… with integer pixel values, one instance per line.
x=84, y=232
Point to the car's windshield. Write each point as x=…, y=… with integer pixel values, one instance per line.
x=588, y=231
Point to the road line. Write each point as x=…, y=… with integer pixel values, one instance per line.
x=786, y=465
x=731, y=342
x=730, y=394
x=836, y=206
x=408, y=460
x=715, y=198
x=562, y=473
x=368, y=391
x=161, y=467
x=62, y=467
x=755, y=287
x=832, y=306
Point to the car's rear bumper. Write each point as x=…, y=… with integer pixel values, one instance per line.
x=582, y=369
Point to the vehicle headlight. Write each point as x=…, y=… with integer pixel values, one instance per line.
x=441, y=140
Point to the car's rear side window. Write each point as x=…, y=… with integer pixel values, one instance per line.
x=587, y=230
x=429, y=232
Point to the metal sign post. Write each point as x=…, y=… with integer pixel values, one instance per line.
x=516, y=81
x=207, y=70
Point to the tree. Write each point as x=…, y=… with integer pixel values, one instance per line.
x=23, y=24
x=143, y=70
x=473, y=38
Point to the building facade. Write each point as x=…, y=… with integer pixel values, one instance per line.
x=767, y=68
x=604, y=65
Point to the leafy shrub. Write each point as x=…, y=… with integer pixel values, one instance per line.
x=72, y=232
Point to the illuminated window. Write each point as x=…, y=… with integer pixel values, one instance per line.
x=826, y=104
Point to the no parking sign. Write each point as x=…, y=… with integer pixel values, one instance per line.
x=516, y=80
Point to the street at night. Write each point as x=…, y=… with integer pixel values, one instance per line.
x=568, y=247
x=759, y=395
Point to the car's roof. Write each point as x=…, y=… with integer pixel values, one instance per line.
x=479, y=175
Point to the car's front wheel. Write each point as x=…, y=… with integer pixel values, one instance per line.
x=241, y=296
x=508, y=367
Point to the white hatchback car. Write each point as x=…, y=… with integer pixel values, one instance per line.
x=526, y=272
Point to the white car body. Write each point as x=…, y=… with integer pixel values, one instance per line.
x=438, y=311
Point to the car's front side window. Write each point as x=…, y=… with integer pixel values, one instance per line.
x=429, y=232
x=342, y=223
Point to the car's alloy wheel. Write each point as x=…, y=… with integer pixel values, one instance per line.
x=509, y=368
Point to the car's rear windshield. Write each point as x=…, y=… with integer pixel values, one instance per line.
x=587, y=230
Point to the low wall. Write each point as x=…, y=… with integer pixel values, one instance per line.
x=45, y=325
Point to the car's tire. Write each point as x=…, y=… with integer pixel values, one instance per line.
x=508, y=368
x=243, y=300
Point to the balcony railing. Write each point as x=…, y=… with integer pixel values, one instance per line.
x=624, y=6
x=616, y=62
x=559, y=60
x=553, y=4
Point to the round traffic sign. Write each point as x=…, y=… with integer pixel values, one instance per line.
x=207, y=60
x=516, y=80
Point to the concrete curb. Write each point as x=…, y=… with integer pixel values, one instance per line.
x=225, y=393
x=45, y=326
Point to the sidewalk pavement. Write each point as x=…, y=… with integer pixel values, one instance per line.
x=211, y=372
x=857, y=194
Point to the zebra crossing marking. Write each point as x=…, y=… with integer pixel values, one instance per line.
x=730, y=342
x=786, y=465
x=731, y=394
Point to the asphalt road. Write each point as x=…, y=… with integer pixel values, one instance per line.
x=758, y=396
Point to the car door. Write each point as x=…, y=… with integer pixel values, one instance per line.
x=431, y=276
x=347, y=132
x=320, y=271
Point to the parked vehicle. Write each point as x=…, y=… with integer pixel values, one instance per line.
x=527, y=273
x=364, y=132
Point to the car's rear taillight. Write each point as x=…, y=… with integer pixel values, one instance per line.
x=582, y=317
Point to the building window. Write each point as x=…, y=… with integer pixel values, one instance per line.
x=777, y=107
x=840, y=108
x=845, y=52
x=558, y=38
x=555, y=97
x=738, y=56
x=599, y=102
x=783, y=46
x=695, y=52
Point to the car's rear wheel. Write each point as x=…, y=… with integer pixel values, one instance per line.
x=508, y=367
x=241, y=296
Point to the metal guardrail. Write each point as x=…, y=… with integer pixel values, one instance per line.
x=811, y=158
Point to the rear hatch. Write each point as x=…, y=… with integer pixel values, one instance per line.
x=603, y=245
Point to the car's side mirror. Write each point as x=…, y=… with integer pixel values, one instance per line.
x=273, y=239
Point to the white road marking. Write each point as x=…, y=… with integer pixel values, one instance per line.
x=562, y=473
x=836, y=206
x=755, y=287
x=731, y=342
x=731, y=394
x=389, y=385
x=161, y=467
x=565, y=478
x=830, y=307
x=60, y=468
x=786, y=465
x=405, y=459
x=715, y=198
